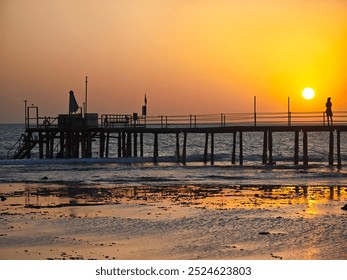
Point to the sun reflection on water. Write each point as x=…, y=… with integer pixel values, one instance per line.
x=306, y=200
x=311, y=209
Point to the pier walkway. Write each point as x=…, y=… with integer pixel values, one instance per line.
x=75, y=135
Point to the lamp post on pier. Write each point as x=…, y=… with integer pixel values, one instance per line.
x=25, y=113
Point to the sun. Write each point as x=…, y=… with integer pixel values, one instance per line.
x=308, y=93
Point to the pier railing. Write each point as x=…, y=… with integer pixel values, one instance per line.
x=73, y=135
x=245, y=119
x=203, y=120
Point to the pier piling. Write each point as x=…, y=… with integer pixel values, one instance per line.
x=338, y=148
x=40, y=145
x=184, y=152
x=102, y=144
x=156, y=151
x=135, y=145
x=206, y=148
x=241, y=147
x=107, y=144
x=141, y=144
x=331, y=148
x=123, y=144
x=178, y=156
x=233, y=153
x=270, y=148
x=265, y=138
x=128, y=145
x=305, y=156
x=296, y=148
x=212, y=148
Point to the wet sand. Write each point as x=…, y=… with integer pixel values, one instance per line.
x=51, y=221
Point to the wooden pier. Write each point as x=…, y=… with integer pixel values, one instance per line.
x=77, y=135
x=76, y=141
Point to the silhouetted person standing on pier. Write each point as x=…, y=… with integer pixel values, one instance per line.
x=329, y=112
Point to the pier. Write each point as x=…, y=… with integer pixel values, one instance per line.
x=76, y=135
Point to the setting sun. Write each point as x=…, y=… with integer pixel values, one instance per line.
x=308, y=93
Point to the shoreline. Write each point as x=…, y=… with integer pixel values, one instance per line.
x=40, y=221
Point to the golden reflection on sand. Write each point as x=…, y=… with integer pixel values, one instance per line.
x=34, y=197
x=163, y=222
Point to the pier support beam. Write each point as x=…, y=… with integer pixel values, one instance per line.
x=27, y=143
x=68, y=144
x=156, y=149
x=107, y=143
x=296, y=148
x=233, y=154
x=212, y=148
x=331, y=148
x=206, y=148
x=102, y=144
x=305, y=157
x=265, y=138
x=141, y=144
x=338, y=144
x=135, y=144
x=128, y=145
x=62, y=144
x=83, y=144
x=119, y=144
x=270, y=149
x=241, y=147
x=74, y=144
x=89, y=144
x=178, y=156
x=47, y=144
x=184, y=152
x=123, y=145
x=40, y=145
x=51, y=151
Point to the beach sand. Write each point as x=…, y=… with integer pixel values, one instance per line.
x=55, y=221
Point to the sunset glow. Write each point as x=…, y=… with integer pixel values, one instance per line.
x=188, y=57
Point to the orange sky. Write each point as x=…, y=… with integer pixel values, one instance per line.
x=189, y=57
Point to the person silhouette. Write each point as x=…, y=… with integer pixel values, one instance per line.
x=329, y=112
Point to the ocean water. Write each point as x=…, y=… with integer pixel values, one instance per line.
x=168, y=172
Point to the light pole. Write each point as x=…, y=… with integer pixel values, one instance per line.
x=25, y=113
